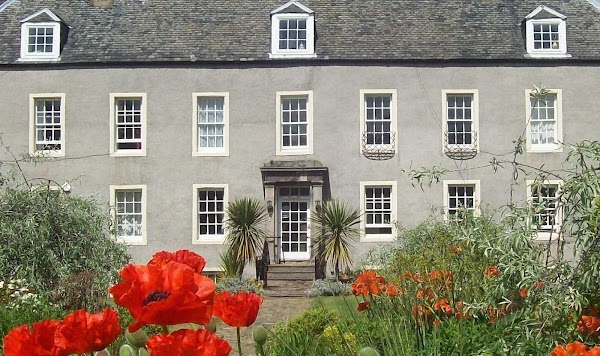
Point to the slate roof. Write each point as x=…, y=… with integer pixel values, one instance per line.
x=240, y=30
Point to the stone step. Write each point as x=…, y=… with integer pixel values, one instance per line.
x=290, y=276
x=287, y=288
x=291, y=271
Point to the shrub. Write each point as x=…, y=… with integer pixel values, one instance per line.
x=48, y=238
x=328, y=287
x=237, y=285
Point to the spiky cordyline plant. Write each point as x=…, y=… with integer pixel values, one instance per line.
x=336, y=228
x=245, y=232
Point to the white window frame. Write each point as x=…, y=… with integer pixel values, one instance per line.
x=393, y=112
x=309, y=51
x=546, y=235
x=474, y=93
x=394, y=204
x=210, y=151
x=114, y=152
x=209, y=239
x=285, y=151
x=33, y=126
x=34, y=56
x=544, y=148
x=446, y=196
x=558, y=19
x=143, y=240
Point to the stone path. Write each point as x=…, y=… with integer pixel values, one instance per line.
x=276, y=307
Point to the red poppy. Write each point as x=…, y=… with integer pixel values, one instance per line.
x=436, y=322
x=189, y=258
x=173, y=294
x=81, y=332
x=524, y=292
x=40, y=342
x=237, y=310
x=456, y=249
x=594, y=351
x=538, y=284
x=491, y=272
x=362, y=306
x=186, y=342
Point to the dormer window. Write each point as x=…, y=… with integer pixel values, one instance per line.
x=546, y=33
x=292, y=31
x=41, y=37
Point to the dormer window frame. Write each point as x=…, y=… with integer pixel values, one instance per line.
x=558, y=20
x=29, y=23
x=280, y=14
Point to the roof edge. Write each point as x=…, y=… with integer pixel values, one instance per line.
x=595, y=3
x=43, y=11
x=6, y=4
x=547, y=9
x=290, y=3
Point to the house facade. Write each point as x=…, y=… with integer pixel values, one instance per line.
x=166, y=111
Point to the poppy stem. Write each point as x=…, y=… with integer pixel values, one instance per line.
x=165, y=330
x=239, y=340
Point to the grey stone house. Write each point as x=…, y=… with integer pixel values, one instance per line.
x=167, y=110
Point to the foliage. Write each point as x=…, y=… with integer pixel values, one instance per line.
x=328, y=287
x=230, y=265
x=301, y=335
x=237, y=285
x=336, y=227
x=19, y=305
x=245, y=232
x=49, y=239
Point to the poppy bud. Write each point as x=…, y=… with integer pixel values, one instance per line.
x=259, y=334
x=136, y=339
x=126, y=350
x=368, y=351
x=143, y=352
x=211, y=326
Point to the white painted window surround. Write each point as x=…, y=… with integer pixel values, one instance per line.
x=544, y=121
x=460, y=115
x=294, y=126
x=378, y=117
x=292, y=33
x=47, y=124
x=129, y=213
x=40, y=41
x=546, y=37
x=378, y=205
x=461, y=194
x=548, y=219
x=210, y=124
x=128, y=117
x=209, y=213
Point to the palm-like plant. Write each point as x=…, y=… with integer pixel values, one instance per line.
x=336, y=227
x=245, y=232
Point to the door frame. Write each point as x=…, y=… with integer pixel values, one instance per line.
x=294, y=256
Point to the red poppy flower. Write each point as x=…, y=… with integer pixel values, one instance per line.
x=22, y=341
x=237, y=310
x=362, y=306
x=436, y=322
x=189, y=258
x=538, y=284
x=81, y=332
x=173, y=294
x=456, y=249
x=524, y=292
x=186, y=342
x=491, y=272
